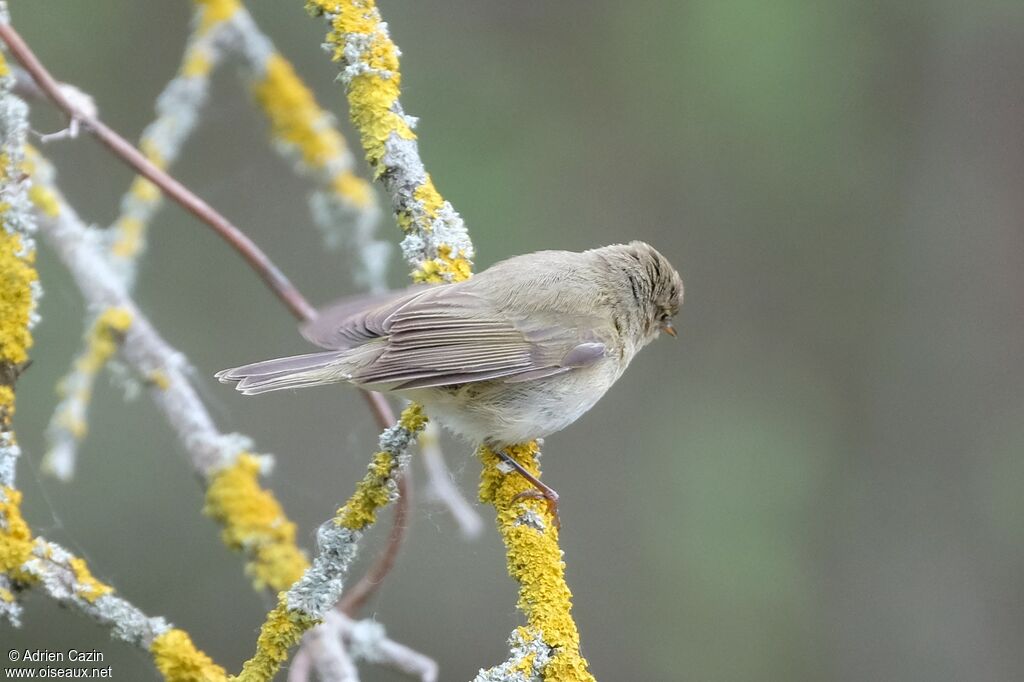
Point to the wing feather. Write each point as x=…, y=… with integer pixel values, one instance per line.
x=448, y=335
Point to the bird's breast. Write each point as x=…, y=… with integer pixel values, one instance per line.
x=500, y=413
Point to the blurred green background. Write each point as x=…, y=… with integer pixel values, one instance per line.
x=820, y=480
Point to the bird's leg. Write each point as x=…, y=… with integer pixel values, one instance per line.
x=541, y=491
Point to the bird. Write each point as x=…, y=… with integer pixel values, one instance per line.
x=515, y=353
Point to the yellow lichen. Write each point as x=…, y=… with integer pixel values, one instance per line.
x=429, y=197
x=89, y=588
x=297, y=120
x=72, y=423
x=535, y=562
x=130, y=233
x=372, y=97
x=373, y=92
x=215, y=11
x=100, y=344
x=282, y=630
x=159, y=379
x=196, y=64
x=360, y=511
x=16, y=277
x=149, y=148
x=444, y=268
x=41, y=196
x=15, y=536
x=6, y=595
x=144, y=190
x=45, y=200
x=349, y=185
x=103, y=339
x=254, y=522
x=178, y=660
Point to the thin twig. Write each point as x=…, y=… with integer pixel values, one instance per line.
x=368, y=642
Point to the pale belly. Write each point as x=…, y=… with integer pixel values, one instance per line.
x=502, y=414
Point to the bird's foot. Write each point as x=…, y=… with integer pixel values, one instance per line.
x=549, y=496
x=541, y=490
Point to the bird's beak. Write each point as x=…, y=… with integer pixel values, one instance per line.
x=667, y=327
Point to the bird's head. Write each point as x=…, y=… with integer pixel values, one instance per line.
x=652, y=289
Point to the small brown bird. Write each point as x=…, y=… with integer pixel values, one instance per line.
x=517, y=352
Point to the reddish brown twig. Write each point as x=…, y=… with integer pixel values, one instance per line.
x=280, y=285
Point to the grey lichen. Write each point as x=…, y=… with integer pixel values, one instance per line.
x=529, y=657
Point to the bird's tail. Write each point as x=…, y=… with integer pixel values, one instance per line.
x=297, y=371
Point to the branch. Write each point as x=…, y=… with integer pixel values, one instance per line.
x=18, y=298
x=549, y=644
x=324, y=651
x=69, y=424
x=351, y=641
x=367, y=641
x=437, y=245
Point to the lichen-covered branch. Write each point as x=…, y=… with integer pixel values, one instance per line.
x=178, y=108
x=18, y=297
x=307, y=601
x=335, y=646
x=437, y=244
x=66, y=579
x=69, y=423
x=548, y=647
x=365, y=640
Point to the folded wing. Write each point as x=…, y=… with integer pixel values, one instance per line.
x=446, y=335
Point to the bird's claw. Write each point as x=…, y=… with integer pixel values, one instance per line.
x=549, y=496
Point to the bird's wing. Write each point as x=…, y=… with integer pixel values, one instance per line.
x=447, y=335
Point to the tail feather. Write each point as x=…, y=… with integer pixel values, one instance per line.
x=297, y=371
